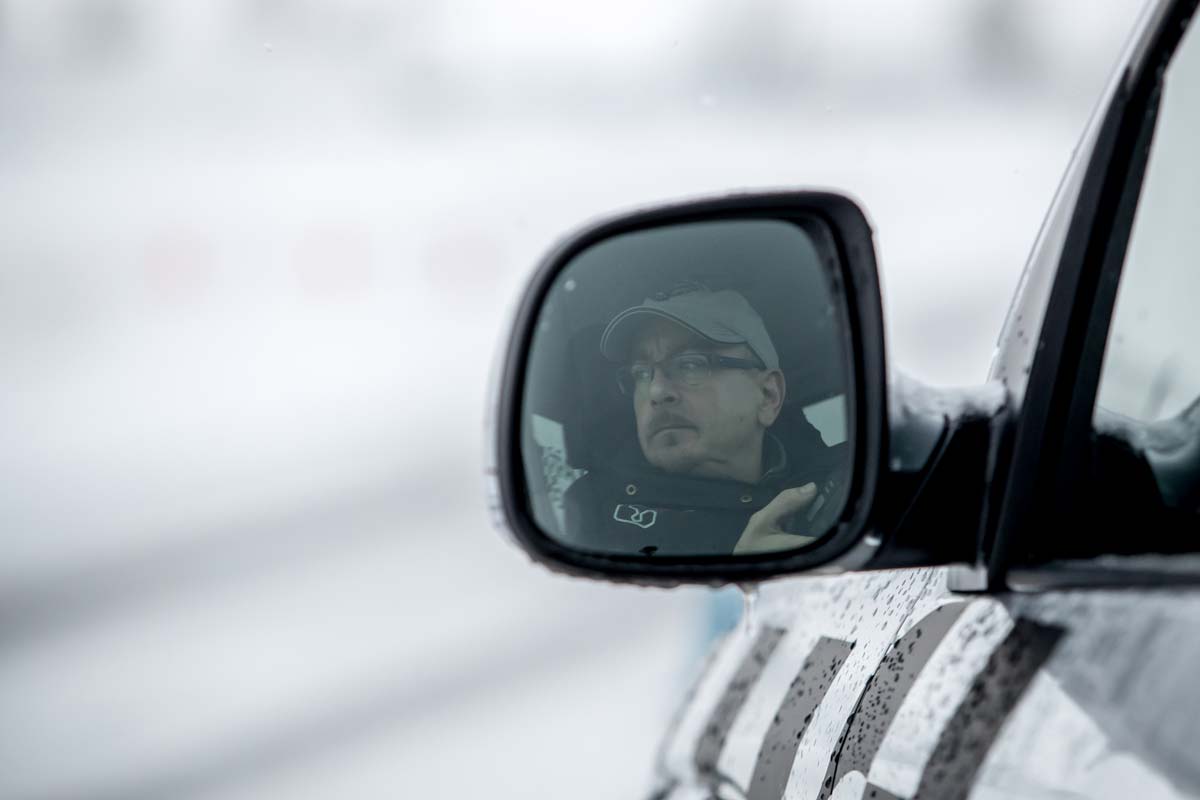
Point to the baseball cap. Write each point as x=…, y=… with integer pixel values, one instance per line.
x=724, y=317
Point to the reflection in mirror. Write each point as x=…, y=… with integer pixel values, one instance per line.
x=688, y=393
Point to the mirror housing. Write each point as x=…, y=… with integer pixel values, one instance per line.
x=885, y=519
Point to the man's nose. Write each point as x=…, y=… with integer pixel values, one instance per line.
x=662, y=389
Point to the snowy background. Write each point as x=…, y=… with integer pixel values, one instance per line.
x=254, y=262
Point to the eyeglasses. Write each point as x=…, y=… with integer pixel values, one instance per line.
x=686, y=369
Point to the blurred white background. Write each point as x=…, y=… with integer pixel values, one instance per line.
x=255, y=258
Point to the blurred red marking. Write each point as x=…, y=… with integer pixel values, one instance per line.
x=179, y=264
x=333, y=261
x=465, y=262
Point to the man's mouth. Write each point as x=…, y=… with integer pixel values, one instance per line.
x=671, y=426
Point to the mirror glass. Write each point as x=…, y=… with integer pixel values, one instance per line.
x=689, y=392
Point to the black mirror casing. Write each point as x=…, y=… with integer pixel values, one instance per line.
x=847, y=252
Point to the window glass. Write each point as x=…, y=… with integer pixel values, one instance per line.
x=1152, y=362
x=1147, y=451
x=689, y=392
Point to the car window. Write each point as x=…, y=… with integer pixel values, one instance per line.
x=1147, y=410
x=1151, y=366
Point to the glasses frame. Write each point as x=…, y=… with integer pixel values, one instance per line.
x=715, y=361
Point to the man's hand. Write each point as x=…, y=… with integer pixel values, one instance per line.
x=763, y=532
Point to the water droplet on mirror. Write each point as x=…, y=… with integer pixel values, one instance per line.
x=749, y=607
x=268, y=47
x=569, y=286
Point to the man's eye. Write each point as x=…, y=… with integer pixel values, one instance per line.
x=691, y=365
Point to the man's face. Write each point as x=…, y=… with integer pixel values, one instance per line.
x=714, y=429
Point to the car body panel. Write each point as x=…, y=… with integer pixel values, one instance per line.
x=911, y=690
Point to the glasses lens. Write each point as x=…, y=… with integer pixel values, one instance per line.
x=625, y=380
x=689, y=368
x=633, y=376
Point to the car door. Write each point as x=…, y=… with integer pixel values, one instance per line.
x=871, y=685
x=1068, y=672
x=1109, y=550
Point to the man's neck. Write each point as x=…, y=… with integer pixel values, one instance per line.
x=748, y=468
x=774, y=457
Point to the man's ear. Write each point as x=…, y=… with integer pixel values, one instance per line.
x=774, y=389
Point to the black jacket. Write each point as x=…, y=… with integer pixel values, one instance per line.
x=633, y=508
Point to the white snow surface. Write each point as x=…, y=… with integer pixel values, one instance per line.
x=908, y=396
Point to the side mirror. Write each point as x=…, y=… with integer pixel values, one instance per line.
x=696, y=393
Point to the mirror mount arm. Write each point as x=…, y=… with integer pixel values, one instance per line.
x=937, y=485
